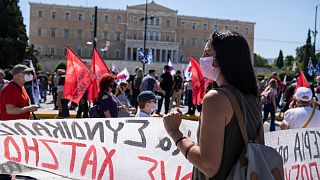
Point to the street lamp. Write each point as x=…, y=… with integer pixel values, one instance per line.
x=145, y=19
x=315, y=30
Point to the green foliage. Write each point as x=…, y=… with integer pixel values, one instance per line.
x=290, y=75
x=13, y=37
x=259, y=61
x=31, y=55
x=288, y=61
x=279, y=60
x=61, y=65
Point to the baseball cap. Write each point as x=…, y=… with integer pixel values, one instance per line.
x=303, y=94
x=145, y=96
x=21, y=68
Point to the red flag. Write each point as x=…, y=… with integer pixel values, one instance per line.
x=78, y=77
x=198, y=82
x=98, y=67
x=302, y=81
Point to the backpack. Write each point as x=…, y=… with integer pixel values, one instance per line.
x=256, y=161
x=94, y=111
x=266, y=97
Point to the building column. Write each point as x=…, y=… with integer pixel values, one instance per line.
x=126, y=52
x=166, y=55
x=160, y=60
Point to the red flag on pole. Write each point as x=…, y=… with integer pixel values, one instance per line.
x=198, y=82
x=302, y=81
x=78, y=77
x=98, y=67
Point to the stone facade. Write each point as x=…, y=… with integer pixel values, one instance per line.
x=169, y=35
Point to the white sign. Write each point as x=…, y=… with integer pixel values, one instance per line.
x=121, y=148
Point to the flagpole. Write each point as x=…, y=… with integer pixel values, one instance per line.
x=145, y=38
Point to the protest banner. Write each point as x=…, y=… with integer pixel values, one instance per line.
x=300, y=150
x=121, y=148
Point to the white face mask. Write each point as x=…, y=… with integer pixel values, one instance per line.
x=154, y=107
x=207, y=69
x=28, y=77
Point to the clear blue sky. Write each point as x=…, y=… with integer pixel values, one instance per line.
x=280, y=24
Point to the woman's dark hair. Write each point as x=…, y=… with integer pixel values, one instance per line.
x=233, y=56
x=106, y=81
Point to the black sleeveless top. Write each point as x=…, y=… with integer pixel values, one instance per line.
x=233, y=142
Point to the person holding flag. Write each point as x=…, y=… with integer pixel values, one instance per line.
x=220, y=140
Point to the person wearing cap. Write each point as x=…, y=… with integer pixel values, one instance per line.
x=146, y=102
x=303, y=115
x=14, y=99
x=2, y=80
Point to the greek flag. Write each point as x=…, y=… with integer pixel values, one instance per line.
x=310, y=67
x=317, y=70
x=140, y=54
x=150, y=57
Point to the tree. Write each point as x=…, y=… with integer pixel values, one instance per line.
x=13, y=37
x=279, y=61
x=288, y=61
x=259, y=61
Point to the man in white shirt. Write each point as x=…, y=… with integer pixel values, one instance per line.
x=298, y=117
x=146, y=102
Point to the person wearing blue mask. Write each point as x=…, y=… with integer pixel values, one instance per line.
x=147, y=102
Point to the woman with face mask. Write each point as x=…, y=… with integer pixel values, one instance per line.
x=227, y=61
x=14, y=99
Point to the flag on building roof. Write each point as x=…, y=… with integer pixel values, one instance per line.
x=310, y=67
x=123, y=76
x=172, y=70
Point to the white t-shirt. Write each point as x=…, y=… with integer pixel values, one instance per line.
x=297, y=117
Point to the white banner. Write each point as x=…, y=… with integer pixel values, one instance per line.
x=122, y=148
x=300, y=150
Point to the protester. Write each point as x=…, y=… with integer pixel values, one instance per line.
x=14, y=99
x=220, y=141
x=136, y=87
x=304, y=115
x=149, y=83
x=108, y=104
x=8, y=74
x=55, y=80
x=62, y=102
x=147, y=102
x=268, y=100
x=166, y=82
x=191, y=106
x=131, y=84
x=29, y=85
x=122, y=97
x=177, y=89
x=83, y=108
x=2, y=80
x=43, y=87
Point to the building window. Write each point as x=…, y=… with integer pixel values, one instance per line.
x=157, y=21
x=79, y=32
x=194, y=25
x=80, y=17
x=226, y=28
x=167, y=39
x=79, y=52
x=91, y=34
x=246, y=31
x=39, y=33
x=134, y=35
x=53, y=32
x=104, y=54
x=65, y=51
x=183, y=24
x=67, y=16
x=182, y=41
x=119, y=19
x=194, y=41
x=105, y=35
x=106, y=18
x=215, y=27
x=134, y=20
x=237, y=28
x=39, y=50
x=92, y=17
x=168, y=23
x=117, y=54
x=118, y=36
x=205, y=26
x=51, y=51
x=53, y=14
x=66, y=33
x=156, y=36
x=39, y=13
